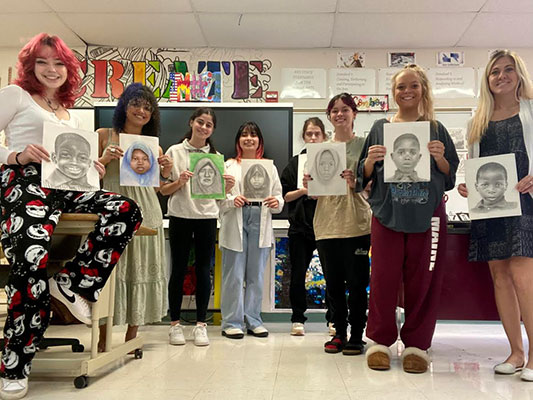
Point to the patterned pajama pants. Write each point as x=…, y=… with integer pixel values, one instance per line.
x=28, y=219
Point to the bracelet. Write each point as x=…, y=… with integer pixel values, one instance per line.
x=163, y=179
x=17, y=158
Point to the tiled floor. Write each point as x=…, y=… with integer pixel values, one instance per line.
x=285, y=367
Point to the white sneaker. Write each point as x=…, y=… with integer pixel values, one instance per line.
x=14, y=388
x=175, y=335
x=297, y=329
x=200, y=335
x=77, y=305
x=331, y=329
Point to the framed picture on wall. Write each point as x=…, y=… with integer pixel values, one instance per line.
x=400, y=59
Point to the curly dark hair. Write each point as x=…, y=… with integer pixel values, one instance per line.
x=132, y=92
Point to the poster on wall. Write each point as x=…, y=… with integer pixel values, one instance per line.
x=357, y=80
x=303, y=83
x=195, y=87
x=384, y=79
x=450, y=58
x=399, y=59
x=491, y=187
x=374, y=102
x=458, y=136
x=452, y=83
x=315, y=283
x=351, y=59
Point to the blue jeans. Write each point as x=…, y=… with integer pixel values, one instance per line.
x=242, y=276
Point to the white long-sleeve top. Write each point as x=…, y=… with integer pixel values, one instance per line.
x=230, y=234
x=21, y=118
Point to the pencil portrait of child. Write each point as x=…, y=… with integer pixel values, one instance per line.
x=491, y=182
x=72, y=154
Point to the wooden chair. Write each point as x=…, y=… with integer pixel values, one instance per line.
x=78, y=363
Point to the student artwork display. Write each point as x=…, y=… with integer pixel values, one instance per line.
x=400, y=59
x=315, y=283
x=139, y=166
x=491, y=185
x=374, y=102
x=256, y=179
x=458, y=136
x=351, y=59
x=72, y=155
x=463, y=156
x=325, y=162
x=302, y=169
x=207, y=181
x=450, y=58
x=408, y=158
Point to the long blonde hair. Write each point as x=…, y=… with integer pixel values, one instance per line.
x=425, y=107
x=524, y=90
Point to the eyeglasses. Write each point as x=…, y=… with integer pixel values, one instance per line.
x=141, y=103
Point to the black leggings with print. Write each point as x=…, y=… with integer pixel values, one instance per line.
x=28, y=219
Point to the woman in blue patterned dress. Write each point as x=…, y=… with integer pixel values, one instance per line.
x=503, y=124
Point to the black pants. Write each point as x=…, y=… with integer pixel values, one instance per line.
x=182, y=232
x=347, y=267
x=301, y=249
x=29, y=216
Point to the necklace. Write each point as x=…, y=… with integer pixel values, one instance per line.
x=49, y=103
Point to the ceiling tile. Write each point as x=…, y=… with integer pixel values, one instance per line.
x=120, y=6
x=270, y=6
x=137, y=30
x=17, y=29
x=407, y=6
x=405, y=31
x=16, y=7
x=495, y=30
x=267, y=31
x=508, y=6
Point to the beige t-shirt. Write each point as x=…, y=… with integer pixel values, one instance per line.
x=339, y=217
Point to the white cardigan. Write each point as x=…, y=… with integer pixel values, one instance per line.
x=230, y=234
x=526, y=118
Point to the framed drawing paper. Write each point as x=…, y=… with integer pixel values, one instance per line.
x=207, y=181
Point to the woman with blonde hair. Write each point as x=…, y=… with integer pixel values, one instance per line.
x=503, y=124
x=406, y=222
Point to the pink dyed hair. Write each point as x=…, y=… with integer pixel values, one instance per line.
x=26, y=79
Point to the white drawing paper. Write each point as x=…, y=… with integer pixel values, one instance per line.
x=72, y=155
x=325, y=163
x=302, y=169
x=491, y=188
x=256, y=179
x=408, y=158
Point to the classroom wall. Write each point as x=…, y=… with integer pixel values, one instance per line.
x=274, y=60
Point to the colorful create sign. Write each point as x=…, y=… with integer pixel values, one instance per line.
x=378, y=102
x=172, y=74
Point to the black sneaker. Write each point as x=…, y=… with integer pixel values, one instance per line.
x=353, y=348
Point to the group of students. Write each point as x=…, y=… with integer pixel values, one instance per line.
x=401, y=221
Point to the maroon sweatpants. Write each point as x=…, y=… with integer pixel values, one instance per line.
x=414, y=259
